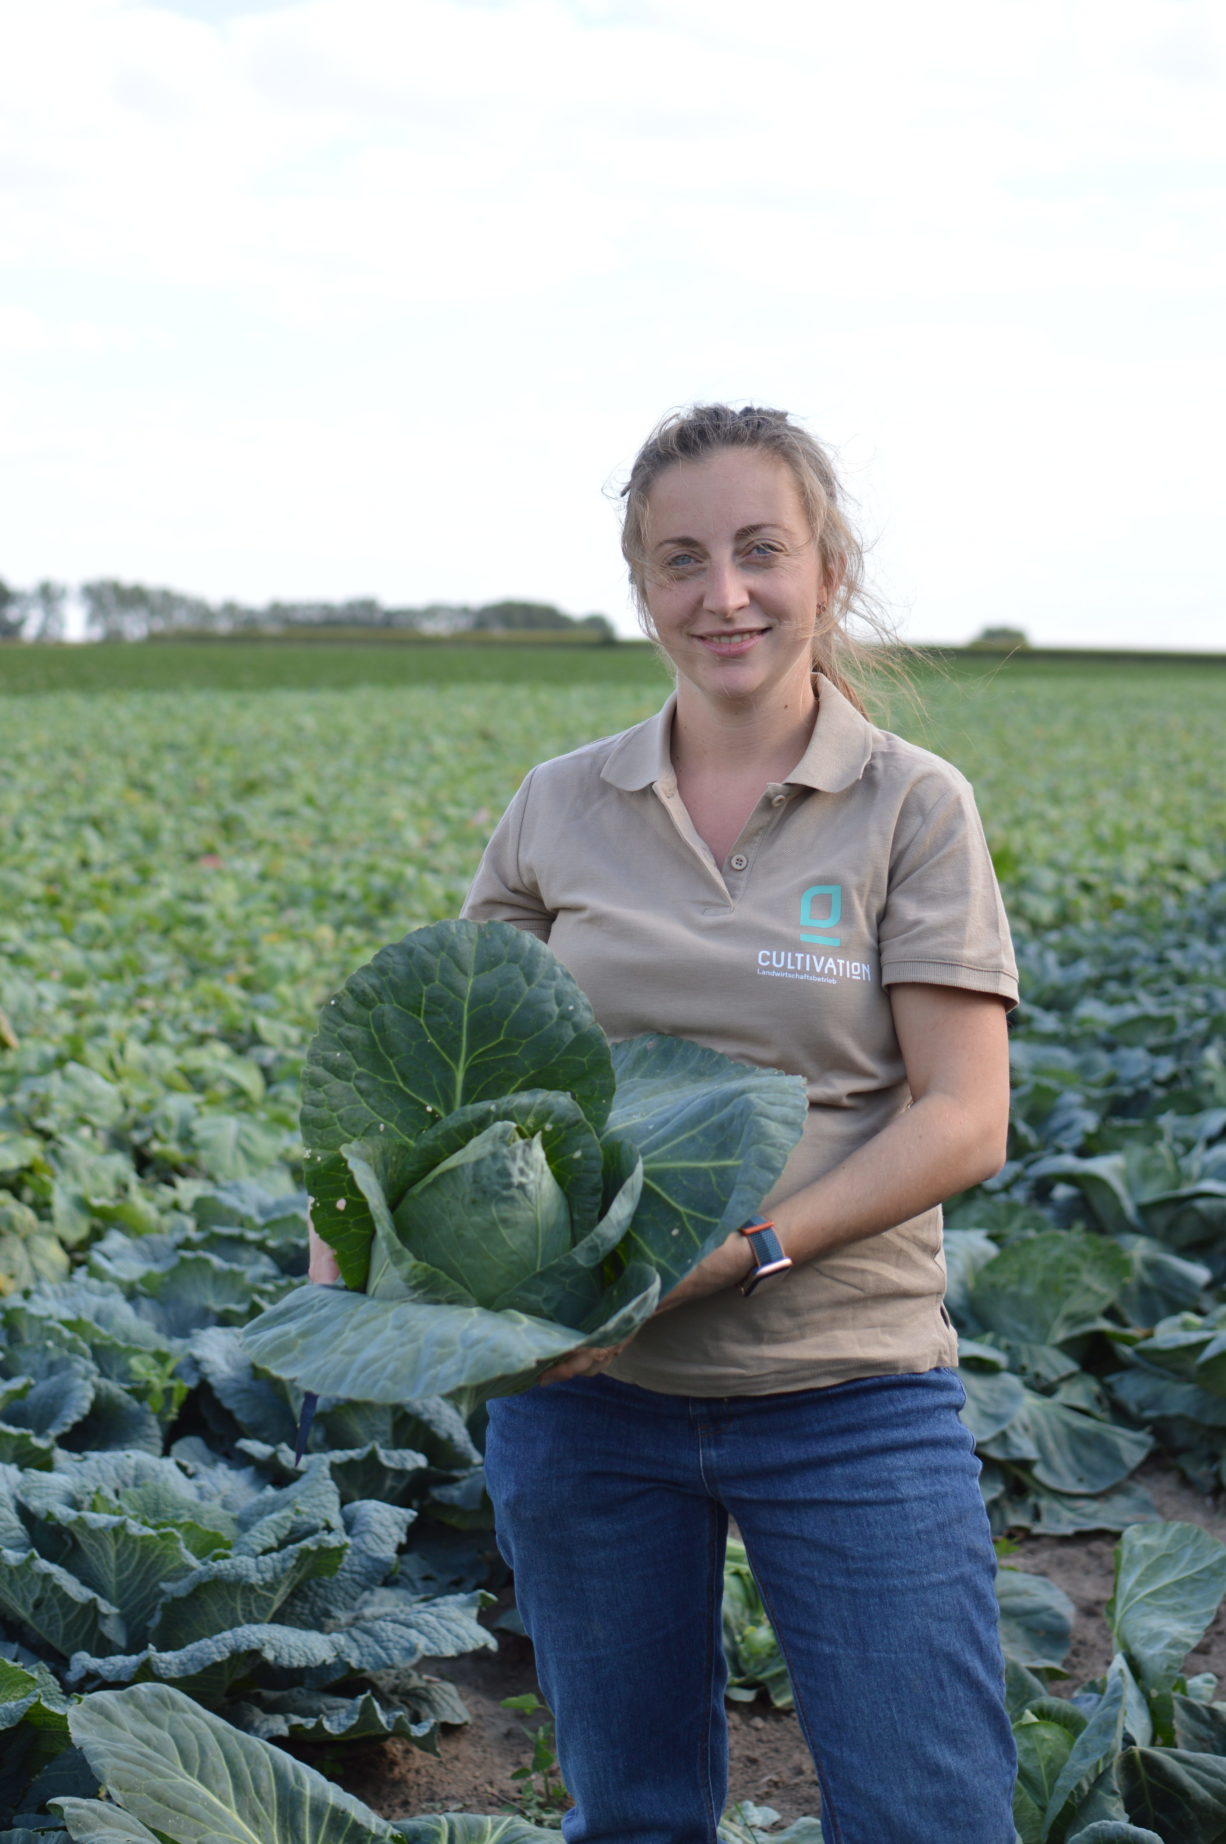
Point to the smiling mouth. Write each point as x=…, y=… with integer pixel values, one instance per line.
x=735, y=641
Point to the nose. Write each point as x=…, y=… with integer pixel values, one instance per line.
x=724, y=588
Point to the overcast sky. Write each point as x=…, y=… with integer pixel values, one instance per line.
x=378, y=297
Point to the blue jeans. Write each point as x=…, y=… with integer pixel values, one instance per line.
x=859, y=1507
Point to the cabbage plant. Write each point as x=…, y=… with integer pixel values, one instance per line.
x=277, y=1603
x=500, y=1184
x=174, y=1772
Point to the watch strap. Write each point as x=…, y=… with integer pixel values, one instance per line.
x=768, y=1254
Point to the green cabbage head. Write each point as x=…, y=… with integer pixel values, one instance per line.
x=500, y=1184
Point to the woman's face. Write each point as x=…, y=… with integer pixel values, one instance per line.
x=733, y=580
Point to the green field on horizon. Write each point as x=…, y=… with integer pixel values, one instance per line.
x=334, y=660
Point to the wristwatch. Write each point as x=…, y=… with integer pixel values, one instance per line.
x=767, y=1253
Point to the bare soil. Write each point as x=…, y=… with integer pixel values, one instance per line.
x=770, y=1764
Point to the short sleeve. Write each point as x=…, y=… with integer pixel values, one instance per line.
x=944, y=922
x=500, y=891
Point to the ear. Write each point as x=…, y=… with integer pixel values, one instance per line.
x=832, y=580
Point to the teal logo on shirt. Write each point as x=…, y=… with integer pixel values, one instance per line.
x=827, y=901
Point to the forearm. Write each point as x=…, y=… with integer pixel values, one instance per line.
x=934, y=1149
x=953, y=1135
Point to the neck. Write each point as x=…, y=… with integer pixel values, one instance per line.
x=735, y=738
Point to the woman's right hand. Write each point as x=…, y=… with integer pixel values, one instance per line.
x=323, y=1266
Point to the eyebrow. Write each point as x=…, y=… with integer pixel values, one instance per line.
x=743, y=531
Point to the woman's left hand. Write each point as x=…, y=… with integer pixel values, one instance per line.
x=584, y=1363
x=726, y=1266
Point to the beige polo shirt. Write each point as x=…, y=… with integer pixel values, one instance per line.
x=867, y=866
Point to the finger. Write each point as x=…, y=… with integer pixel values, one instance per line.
x=575, y=1366
x=558, y=1373
x=581, y=1363
x=322, y=1267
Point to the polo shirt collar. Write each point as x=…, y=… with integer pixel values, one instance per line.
x=641, y=756
x=838, y=751
x=841, y=744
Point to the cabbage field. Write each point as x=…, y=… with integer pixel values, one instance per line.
x=197, y=846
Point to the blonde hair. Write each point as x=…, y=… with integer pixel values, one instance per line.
x=707, y=428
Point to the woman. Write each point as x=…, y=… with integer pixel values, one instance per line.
x=759, y=868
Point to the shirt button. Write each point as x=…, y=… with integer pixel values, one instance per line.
x=738, y=861
x=777, y=800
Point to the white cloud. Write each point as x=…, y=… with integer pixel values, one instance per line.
x=23, y=331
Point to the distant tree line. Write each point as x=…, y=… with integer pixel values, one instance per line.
x=131, y=611
x=32, y=614
x=1000, y=640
